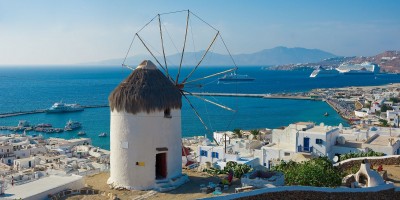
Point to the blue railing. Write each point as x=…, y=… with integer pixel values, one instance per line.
x=305, y=149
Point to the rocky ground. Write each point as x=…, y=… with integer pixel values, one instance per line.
x=190, y=190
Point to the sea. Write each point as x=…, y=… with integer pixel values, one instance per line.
x=26, y=88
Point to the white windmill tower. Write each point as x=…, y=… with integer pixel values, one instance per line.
x=145, y=128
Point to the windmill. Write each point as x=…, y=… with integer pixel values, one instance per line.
x=145, y=119
x=163, y=63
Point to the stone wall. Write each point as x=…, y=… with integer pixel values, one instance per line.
x=386, y=194
x=373, y=160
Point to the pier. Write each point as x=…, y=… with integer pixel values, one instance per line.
x=265, y=96
x=12, y=114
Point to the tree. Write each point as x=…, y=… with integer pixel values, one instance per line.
x=395, y=99
x=317, y=172
x=255, y=133
x=237, y=132
x=385, y=107
x=383, y=122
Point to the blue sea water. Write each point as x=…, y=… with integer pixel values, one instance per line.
x=30, y=88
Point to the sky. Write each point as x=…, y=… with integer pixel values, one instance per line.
x=47, y=32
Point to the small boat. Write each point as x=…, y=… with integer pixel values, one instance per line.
x=81, y=133
x=23, y=123
x=72, y=125
x=326, y=114
x=103, y=135
x=43, y=125
x=233, y=77
x=60, y=107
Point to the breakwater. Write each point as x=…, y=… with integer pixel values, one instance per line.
x=266, y=96
x=17, y=113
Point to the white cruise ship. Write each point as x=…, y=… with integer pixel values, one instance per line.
x=363, y=68
x=321, y=72
x=63, y=107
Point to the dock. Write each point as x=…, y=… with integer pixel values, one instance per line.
x=265, y=96
x=12, y=114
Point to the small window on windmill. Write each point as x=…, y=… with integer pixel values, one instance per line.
x=167, y=113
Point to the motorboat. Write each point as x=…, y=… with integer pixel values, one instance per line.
x=72, y=125
x=81, y=133
x=61, y=107
x=103, y=135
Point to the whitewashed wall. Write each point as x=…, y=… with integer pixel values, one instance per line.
x=134, y=138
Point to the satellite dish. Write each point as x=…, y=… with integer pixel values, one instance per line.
x=335, y=159
x=341, y=140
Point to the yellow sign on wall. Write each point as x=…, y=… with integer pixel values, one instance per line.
x=140, y=163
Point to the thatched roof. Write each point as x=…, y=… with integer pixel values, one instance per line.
x=146, y=89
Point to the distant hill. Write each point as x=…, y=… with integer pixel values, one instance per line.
x=274, y=56
x=389, y=61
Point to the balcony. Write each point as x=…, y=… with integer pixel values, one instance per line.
x=305, y=149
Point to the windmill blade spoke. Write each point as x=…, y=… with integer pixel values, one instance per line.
x=212, y=102
x=184, y=47
x=165, y=71
x=212, y=75
x=162, y=45
x=194, y=86
x=198, y=115
x=201, y=60
x=195, y=111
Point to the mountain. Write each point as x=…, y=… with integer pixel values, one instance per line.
x=274, y=56
x=283, y=55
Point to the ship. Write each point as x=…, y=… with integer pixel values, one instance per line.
x=103, y=135
x=321, y=72
x=60, y=107
x=366, y=68
x=233, y=77
x=81, y=133
x=72, y=125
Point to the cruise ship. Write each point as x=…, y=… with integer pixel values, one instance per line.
x=233, y=77
x=63, y=107
x=363, y=68
x=321, y=72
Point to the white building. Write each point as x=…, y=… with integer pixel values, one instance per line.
x=299, y=141
x=25, y=163
x=392, y=116
x=145, y=137
x=241, y=151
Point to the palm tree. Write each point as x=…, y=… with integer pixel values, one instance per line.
x=237, y=132
x=255, y=133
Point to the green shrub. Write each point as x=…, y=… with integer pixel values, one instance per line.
x=370, y=153
x=238, y=169
x=317, y=172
